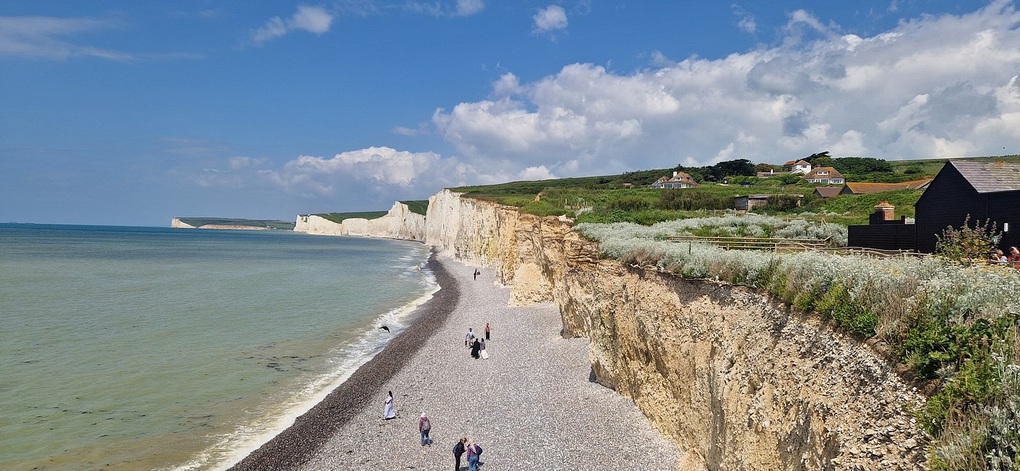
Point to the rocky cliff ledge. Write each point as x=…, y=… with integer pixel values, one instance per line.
x=398, y=223
x=738, y=380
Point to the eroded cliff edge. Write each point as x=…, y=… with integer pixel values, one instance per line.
x=738, y=380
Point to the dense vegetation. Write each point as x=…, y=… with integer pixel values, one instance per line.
x=954, y=324
x=629, y=197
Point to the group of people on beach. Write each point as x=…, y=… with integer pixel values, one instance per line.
x=463, y=446
x=1012, y=260
x=476, y=344
x=473, y=450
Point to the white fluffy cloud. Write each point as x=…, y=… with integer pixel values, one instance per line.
x=933, y=87
x=312, y=19
x=382, y=173
x=549, y=19
x=936, y=86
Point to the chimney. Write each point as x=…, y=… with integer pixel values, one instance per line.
x=886, y=210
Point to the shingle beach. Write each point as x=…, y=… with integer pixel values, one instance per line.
x=530, y=406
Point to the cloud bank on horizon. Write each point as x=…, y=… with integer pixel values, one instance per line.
x=933, y=85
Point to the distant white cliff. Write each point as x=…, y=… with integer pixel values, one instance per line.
x=398, y=223
x=176, y=222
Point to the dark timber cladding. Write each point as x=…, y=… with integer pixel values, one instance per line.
x=883, y=236
x=983, y=190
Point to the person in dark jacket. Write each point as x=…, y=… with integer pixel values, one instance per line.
x=458, y=450
x=476, y=346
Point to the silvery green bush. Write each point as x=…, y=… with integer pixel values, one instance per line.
x=930, y=300
x=927, y=283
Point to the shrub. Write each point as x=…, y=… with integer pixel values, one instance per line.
x=967, y=244
x=790, y=178
x=782, y=202
x=948, y=321
x=688, y=200
x=629, y=203
x=847, y=312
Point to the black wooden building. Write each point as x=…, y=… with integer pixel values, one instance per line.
x=883, y=231
x=983, y=190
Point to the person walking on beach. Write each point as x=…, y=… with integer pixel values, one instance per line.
x=473, y=452
x=476, y=346
x=389, y=409
x=424, y=427
x=458, y=450
x=487, y=331
x=468, y=337
x=477, y=273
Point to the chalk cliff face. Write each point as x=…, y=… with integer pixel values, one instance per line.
x=398, y=223
x=738, y=380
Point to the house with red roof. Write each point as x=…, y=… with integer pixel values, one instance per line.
x=825, y=176
x=678, y=180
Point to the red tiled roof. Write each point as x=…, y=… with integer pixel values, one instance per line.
x=828, y=191
x=814, y=173
x=866, y=188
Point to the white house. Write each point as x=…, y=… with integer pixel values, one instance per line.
x=678, y=180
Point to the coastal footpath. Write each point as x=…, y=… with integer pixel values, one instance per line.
x=737, y=379
x=398, y=223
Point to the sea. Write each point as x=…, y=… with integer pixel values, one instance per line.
x=145, y=348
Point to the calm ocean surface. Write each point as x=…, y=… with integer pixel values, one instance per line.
x=175, y=349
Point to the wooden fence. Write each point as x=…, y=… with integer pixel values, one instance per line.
x=757, y=243
x=791, y=245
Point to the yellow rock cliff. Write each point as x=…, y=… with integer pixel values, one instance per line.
x=738, y=380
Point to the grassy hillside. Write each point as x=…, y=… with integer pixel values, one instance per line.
x=930, y=167
x=628, y=197
x=607, y=199
x=339, y=217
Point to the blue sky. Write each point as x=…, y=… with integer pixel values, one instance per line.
x=127, y=112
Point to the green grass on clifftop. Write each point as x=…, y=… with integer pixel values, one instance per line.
x=628, y=197
x=415, y=206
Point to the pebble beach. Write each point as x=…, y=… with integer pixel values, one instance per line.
x=530, y=405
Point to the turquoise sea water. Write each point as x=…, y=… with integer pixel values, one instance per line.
x=157, y=348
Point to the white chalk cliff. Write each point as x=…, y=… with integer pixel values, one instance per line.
x=398, y=223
